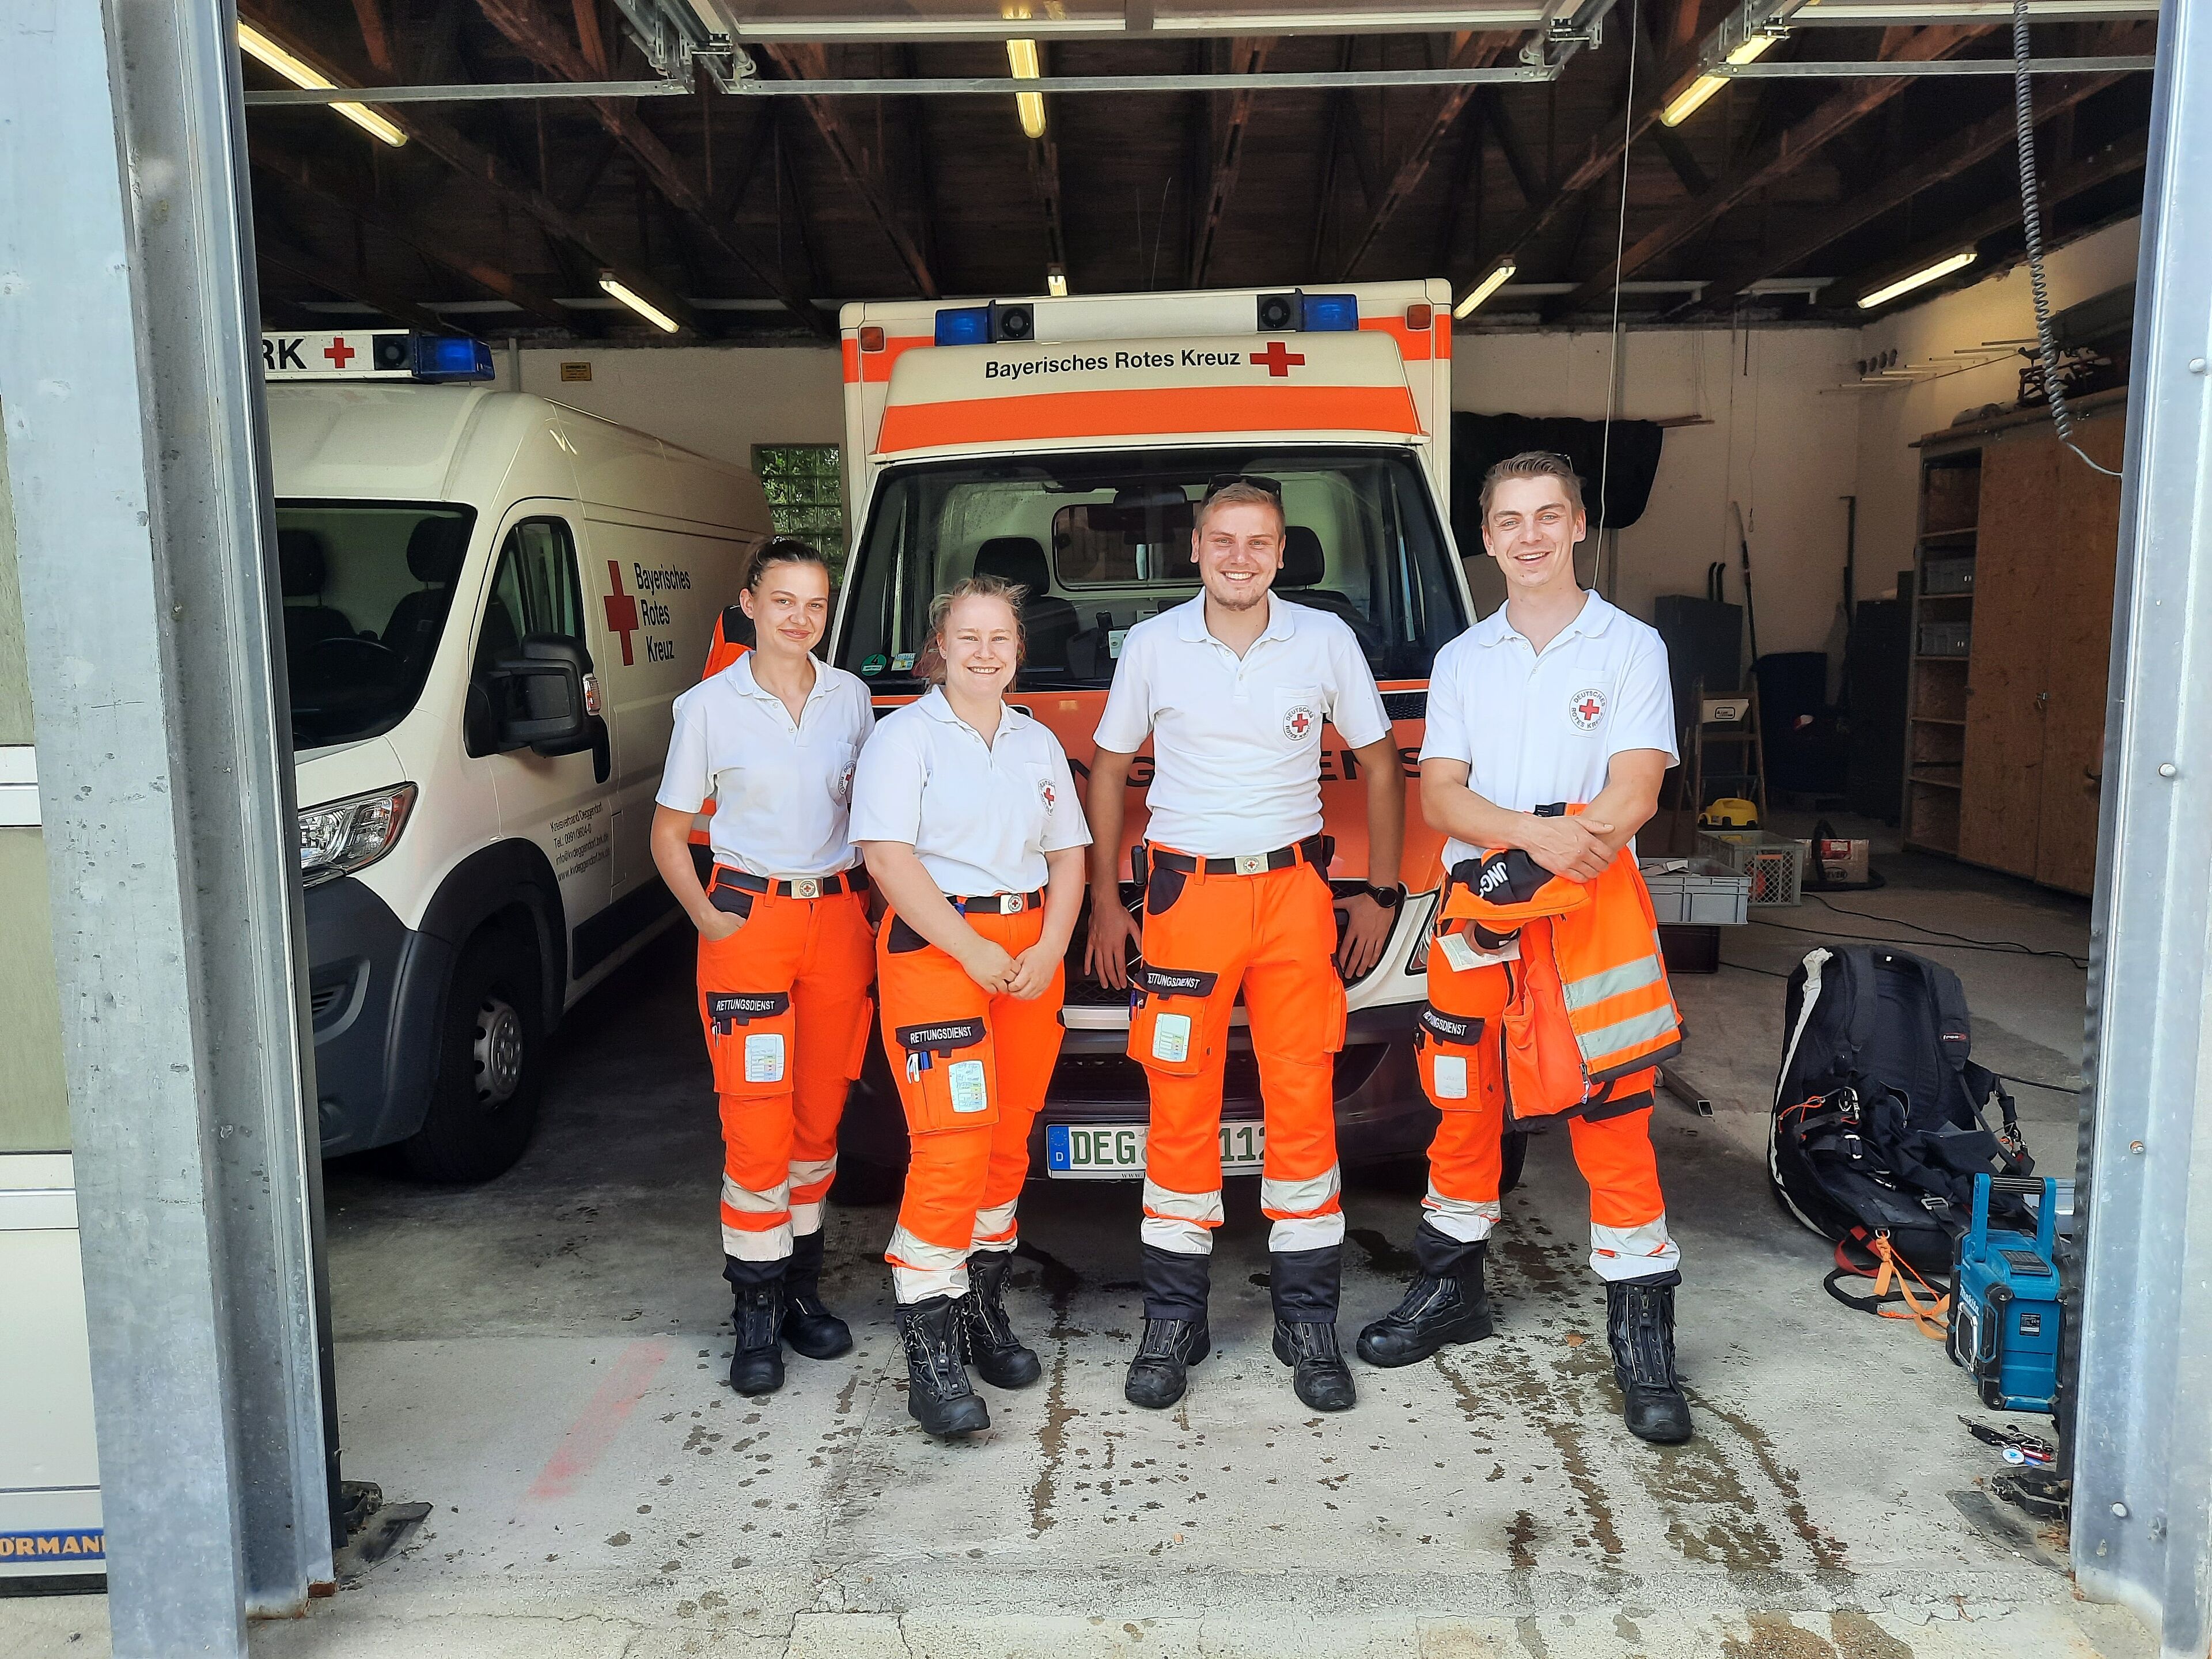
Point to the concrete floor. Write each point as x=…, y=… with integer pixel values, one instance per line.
x=543, y=1360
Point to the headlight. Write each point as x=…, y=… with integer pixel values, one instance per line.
x=1417, y=961
x=348, y=835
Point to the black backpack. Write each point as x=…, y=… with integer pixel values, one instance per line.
x=1877, y=1124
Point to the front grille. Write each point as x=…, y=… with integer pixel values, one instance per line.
x=1096, y=1080
x=1405, y=705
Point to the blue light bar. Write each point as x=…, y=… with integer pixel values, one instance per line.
x=440, y=357
x=965, y=325
x=1328, y=311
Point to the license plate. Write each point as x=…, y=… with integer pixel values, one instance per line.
x=1115, y=1152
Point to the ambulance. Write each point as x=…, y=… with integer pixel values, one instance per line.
x=1065, y=444
x=490, y=604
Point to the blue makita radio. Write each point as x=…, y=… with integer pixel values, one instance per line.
x=2004, y=1302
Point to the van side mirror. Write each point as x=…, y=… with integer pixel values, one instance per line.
x=534, y=697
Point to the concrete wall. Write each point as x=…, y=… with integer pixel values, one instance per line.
x=1781, y=442
x=1999, y=308
x=717, y=401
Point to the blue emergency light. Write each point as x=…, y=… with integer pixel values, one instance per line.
x=1324, y=311
x=442, y=357
x=965, y=325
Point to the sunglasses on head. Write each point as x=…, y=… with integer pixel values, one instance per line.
x=1221, y=480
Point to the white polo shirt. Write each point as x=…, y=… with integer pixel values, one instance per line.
x=781, y=788
x=1538, y=728
x=1236, y=759
x=980, y=816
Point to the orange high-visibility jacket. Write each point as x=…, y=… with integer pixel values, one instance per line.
x=1587, y=1010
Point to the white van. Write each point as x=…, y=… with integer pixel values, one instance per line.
x=490, y=604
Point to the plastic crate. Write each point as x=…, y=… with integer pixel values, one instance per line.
x=1946, y=639
x=1774, y=863
x=1696, y=892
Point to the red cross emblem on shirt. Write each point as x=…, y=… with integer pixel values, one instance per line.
x=1299, y=723
x=621, y=610
x=1279, y=360
x=339, y=352
x=1589, y=709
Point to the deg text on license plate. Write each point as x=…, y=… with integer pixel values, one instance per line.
x=1115, y=1152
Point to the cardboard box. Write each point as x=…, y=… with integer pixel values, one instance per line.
x=1842, y=862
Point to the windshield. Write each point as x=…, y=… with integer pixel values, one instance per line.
x=1102, y=540
x=367, y=586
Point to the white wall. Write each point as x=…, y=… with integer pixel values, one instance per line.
x=1782, y=443
x=719, y=401
x=2000, y=308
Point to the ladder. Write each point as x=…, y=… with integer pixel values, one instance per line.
x=1738, y=737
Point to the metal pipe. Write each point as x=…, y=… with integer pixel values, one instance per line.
x=2124, y=63
x=937, y=86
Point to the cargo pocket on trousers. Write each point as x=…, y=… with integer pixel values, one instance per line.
x=948, y=1068
x=1448, y=1049
x=1171, y=1027
x=856, y=1057
x=750, y=1033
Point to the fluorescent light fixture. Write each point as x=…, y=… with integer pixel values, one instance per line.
x=1921, y=279
x=259, y=48
x=1749, y=50
x=1022, y=57
x=1055, y=281
x=652, y=313
x=1483, y=289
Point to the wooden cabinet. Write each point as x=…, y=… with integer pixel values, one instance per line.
x=2012, y=733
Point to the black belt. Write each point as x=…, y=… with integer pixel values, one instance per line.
x=1314, y=850
x=854, y=880
x=997, y=904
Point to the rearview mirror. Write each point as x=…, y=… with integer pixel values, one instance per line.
x=535, y=697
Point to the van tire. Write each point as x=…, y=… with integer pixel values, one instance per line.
x=483, y=1101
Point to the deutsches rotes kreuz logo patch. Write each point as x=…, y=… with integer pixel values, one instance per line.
x=1048, y=795
x=1299, y=722
x=843, y=792
x=1586, y=709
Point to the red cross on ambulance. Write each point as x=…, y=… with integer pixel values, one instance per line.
x=622, y=611
x=1277, y=360
x=339, y=353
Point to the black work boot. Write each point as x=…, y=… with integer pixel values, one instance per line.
x=939, y=1394
x=757, y=1367
x=1305, y=1285
x=808, y=1324
x=1445, y=1303
x=1640, y=1322
x=989, y=1335
x=1176, y=1334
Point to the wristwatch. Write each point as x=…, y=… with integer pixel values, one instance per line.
x=1388, y=898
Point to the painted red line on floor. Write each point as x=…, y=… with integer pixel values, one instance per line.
x=596, y=1426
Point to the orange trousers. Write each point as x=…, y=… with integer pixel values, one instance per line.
x=1273, y=935
x=784, y=1002
x=972, y=1069
x=1462, y=1065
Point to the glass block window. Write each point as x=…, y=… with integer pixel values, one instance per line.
x=806, y=495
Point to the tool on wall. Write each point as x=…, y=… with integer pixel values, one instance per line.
x=1743, y=558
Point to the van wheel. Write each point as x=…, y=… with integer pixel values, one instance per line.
x=483, y=1105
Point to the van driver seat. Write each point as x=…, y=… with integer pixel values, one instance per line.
x=435, y=549
x=1048, y=622
x=1304, y=564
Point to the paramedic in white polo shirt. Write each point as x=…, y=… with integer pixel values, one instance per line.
x=1233, y=688
x=784, y=956
x=1557, y=701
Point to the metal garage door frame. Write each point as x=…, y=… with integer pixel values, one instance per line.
x=2143, y=1444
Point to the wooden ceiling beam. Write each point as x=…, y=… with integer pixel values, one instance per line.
x=2114, y=161
x=430, y=243
x=320, y=272
x=1247, y=55
x=279, y=20
x=533, y=32
x=1795, y=146
x=375, y=36
x=1477, y=51
x=1528, y=178
x=1944, y=161
x=809, y=60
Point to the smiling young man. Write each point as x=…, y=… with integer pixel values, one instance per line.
x=1551, y=724
x=1233, y=688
